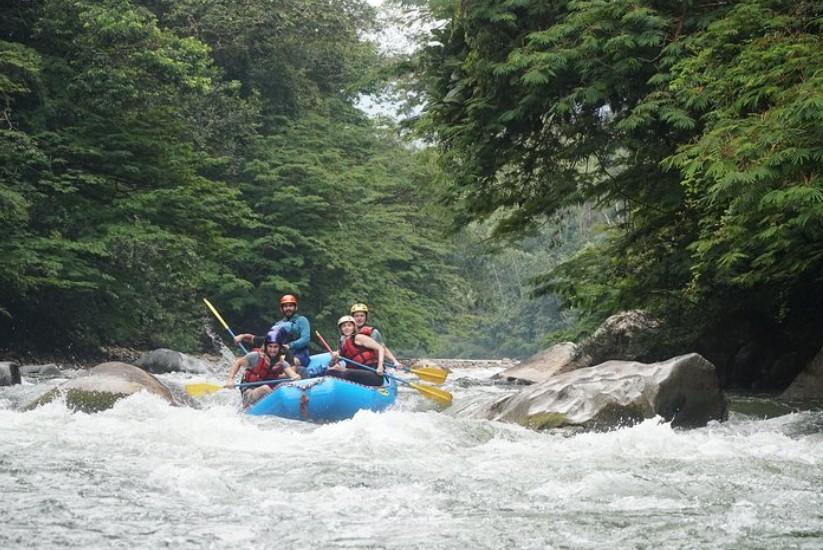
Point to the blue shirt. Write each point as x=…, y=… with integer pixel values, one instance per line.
x=299, y=332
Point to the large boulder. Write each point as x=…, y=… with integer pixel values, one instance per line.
x=559, y=358
x=103, y=385
x=809, y=383
x=682, y=390
x=9, y=373
x=627, y=336
x=161, y=361
x=48, y=370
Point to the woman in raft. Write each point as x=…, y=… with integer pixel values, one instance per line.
x=359, y=348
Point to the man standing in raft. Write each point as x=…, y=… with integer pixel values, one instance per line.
x=297, y=328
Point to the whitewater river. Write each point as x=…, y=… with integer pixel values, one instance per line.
x=147, y=475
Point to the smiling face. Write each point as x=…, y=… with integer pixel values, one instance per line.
x=347, y=328
x=360, y=318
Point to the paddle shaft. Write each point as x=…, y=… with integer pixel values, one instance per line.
x=263, y=382
x=431, y=376
x=355, y=363
x=323, y=340
x=204, y=388
x=225, y=325
x=441, y=396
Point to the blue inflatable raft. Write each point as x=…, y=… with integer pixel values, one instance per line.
x=324, y=398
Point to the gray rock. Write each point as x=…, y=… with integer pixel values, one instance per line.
x=424, y=364
x=559, y=358
x=626, y=336
x=809, y=383
x=47, y=370
x=163, y=360
x=9, y=373
x=682, y=390
x=452, y=364
x=784, y=369
x=104, y=385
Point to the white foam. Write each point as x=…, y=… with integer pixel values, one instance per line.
x=136, y=471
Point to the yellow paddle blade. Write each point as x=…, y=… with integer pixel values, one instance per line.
x=216, y=314
x=202, y=388
x=430, y=374
x=442, y=397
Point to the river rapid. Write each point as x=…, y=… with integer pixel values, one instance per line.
x=148, y=475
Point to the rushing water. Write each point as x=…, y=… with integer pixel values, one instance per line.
x=147, y=475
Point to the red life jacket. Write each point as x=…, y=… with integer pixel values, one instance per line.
x=365, y=329
x=264, y=370
x=361, y=354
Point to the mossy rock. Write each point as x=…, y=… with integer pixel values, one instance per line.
x=546, y=420
x=79, y=400
x=103, y=386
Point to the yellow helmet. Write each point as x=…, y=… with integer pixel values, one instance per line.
x=358, y=308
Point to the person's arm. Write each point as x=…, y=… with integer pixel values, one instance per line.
x=288, y=369
x=368, y=342
x=378, y=337
x=304, y=335
x=245, y=337
x=391, y=357
x=234, y=370
x=335, y=363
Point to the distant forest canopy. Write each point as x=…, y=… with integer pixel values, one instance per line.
x=156, y=152
x=581, y=158
x=702, y=122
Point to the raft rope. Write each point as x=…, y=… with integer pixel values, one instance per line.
x=304, y=397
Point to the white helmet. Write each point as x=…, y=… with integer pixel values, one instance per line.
x=345, y=319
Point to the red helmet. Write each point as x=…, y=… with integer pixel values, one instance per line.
x=288, y=299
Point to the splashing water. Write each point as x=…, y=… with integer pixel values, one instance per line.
x=148, y=475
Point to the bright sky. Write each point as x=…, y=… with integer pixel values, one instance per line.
x=393, y=39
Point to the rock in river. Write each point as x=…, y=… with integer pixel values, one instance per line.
x=103, y=385
x=682, y=390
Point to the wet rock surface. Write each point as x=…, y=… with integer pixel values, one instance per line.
x=558, y=359
x=682, y=390
x=164, y=360
x=102, y=386
x=9, y=373
x=48, y=370
x=809, y=383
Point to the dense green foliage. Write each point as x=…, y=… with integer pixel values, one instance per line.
x=611, y=154
x=499, y=315
x=700, y=121
x=156, y=152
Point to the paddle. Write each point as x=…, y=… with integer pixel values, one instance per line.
x=434, y=375
x=225, y=325
x=442, y=397
x=200, y=389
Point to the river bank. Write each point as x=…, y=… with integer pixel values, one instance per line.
x=68, y=359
